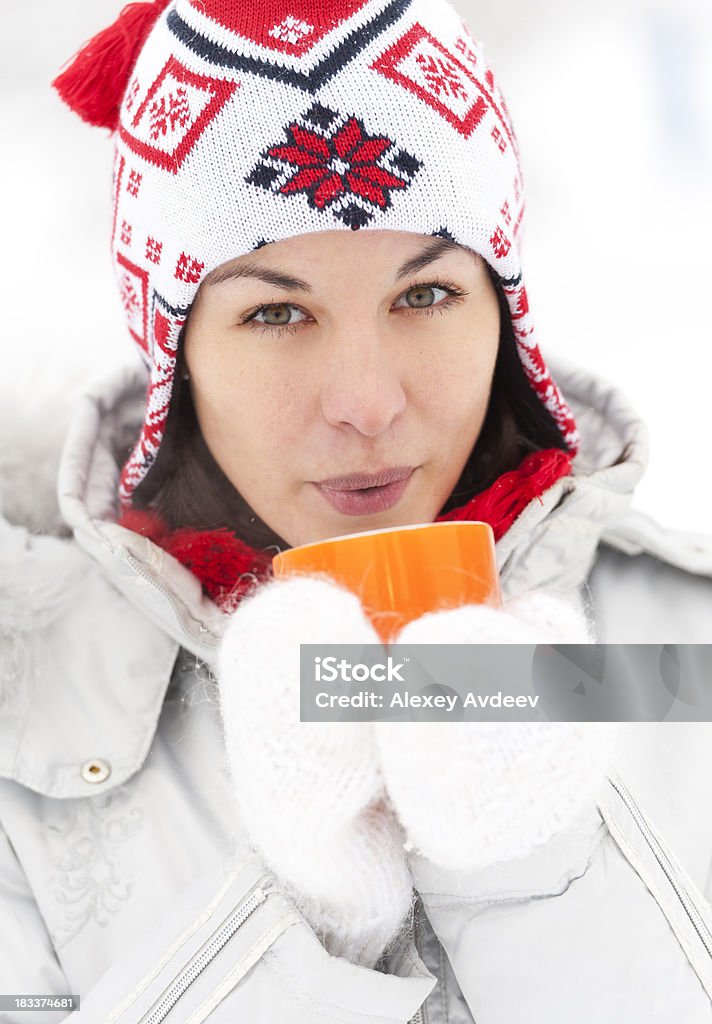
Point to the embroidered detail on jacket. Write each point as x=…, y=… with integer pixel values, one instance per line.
x=90, y=883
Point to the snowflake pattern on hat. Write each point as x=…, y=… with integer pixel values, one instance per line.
x=343, y=168
x=175, y=111
x=420, y=63
x=403, y=129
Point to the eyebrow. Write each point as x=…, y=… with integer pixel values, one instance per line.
x=434, y=250
x=274, y=277
x=437, y=248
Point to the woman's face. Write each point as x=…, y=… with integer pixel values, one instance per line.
x=341, y=379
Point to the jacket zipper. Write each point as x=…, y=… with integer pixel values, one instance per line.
x=419, y=1017
x=664, y=862
x=187, y=623
x=217, y=942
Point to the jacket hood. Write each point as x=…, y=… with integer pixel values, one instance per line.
x=552, y=543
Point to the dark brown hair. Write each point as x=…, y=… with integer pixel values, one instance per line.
x=187, y=488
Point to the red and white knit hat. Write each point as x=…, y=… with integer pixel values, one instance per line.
x=239, y=124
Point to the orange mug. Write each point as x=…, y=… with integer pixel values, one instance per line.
x=401, y=573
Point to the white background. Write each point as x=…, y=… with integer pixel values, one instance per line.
x=612, y=103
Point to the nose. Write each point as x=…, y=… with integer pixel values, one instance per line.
x=362, y=385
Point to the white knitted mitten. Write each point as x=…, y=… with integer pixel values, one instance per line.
x=311, y=794
x=472, y=794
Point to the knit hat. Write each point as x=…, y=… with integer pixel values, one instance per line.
x=240, y=124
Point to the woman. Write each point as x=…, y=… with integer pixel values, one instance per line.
x=316, y=218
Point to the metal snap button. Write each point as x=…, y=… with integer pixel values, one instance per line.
x=96, y=770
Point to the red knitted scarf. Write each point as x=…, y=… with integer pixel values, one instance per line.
x=229, y=569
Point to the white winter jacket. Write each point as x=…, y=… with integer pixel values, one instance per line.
x=125, y=876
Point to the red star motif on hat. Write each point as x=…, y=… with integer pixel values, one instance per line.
x=336, y=165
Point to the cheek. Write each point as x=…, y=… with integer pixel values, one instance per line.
x=250, y=416
x=455, y=386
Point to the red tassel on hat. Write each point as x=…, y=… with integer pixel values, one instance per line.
x=95, y=81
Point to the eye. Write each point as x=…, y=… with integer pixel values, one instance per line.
x=278, y=315
x=422, y=296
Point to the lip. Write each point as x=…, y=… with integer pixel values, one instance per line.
x=363, y=494
x=358, y=481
